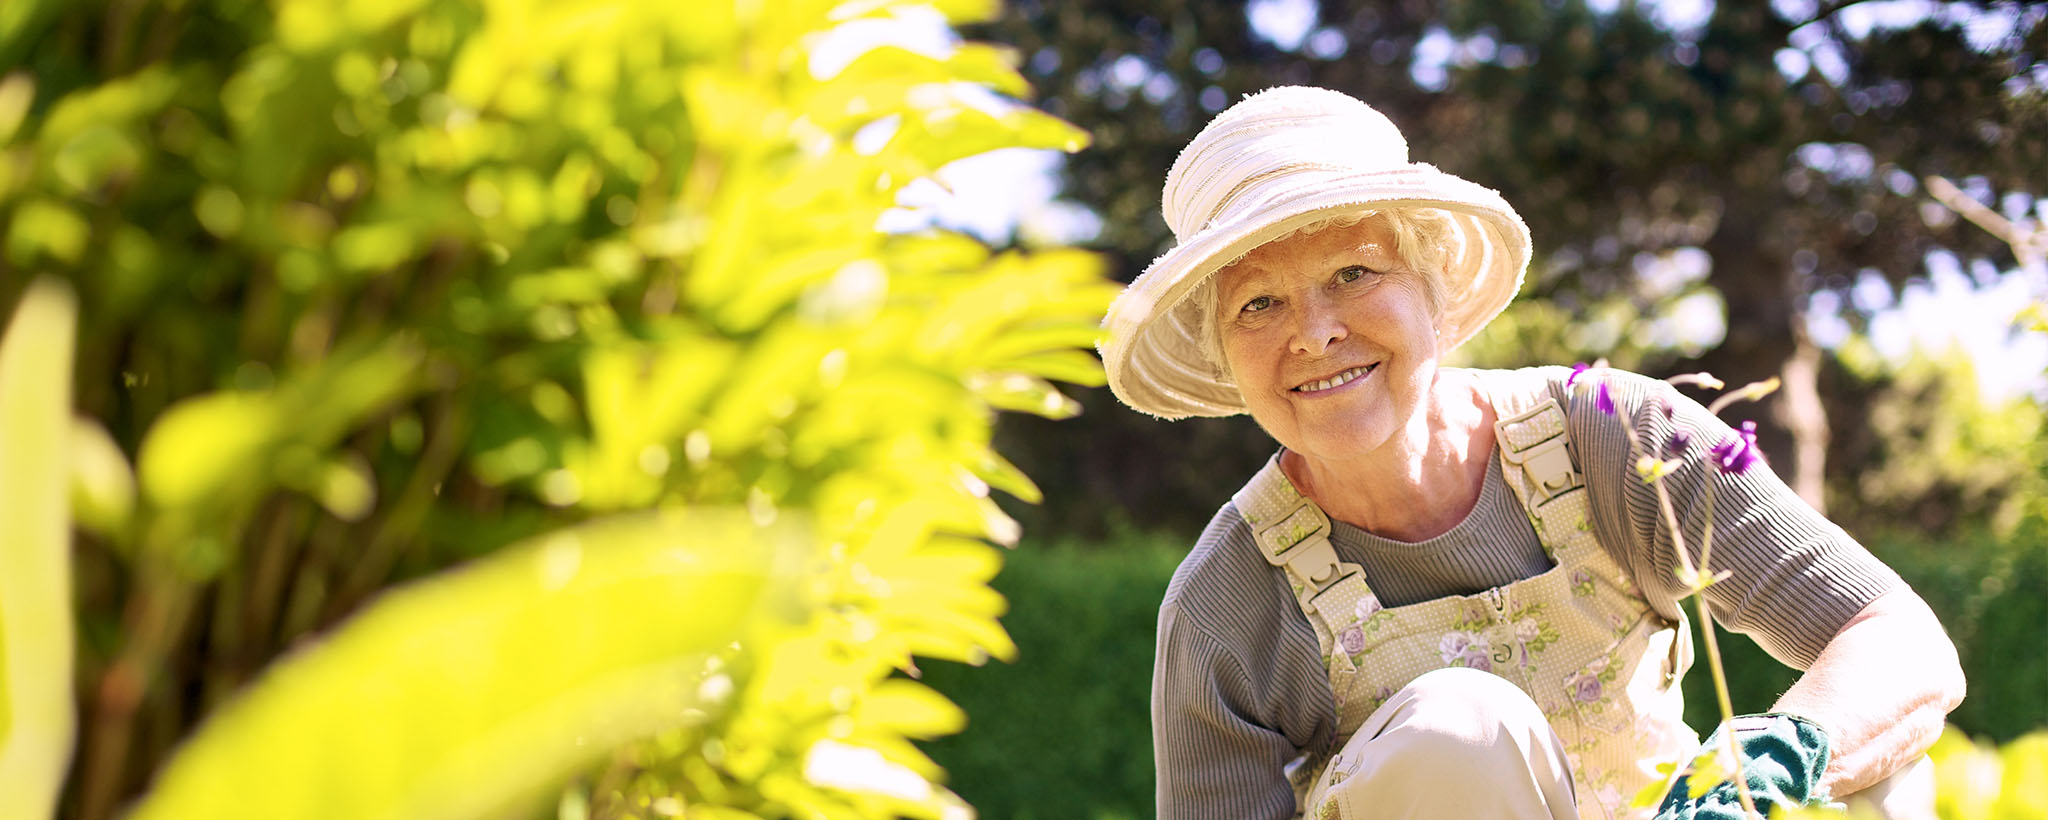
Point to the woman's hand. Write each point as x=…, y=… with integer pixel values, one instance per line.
x=1881, y=690
x=1782, y=759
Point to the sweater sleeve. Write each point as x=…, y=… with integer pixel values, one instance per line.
x=1212, y=757
x=1795, y=577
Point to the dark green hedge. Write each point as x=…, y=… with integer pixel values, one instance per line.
x=1065, y=733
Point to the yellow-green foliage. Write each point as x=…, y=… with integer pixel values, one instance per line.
x=371, y=287
x=1974, y=781
x=474, y=689
x=1937, y=432
x=1978, y=782
x=36, y=725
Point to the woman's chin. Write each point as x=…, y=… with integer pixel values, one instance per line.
x=1345, y=438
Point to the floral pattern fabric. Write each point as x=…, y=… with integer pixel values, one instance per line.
x=1579, y=639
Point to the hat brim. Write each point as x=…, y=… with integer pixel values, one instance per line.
x=1152, y=349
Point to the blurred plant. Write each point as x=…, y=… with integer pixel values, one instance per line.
x=1979, y=782
x=511, y=671
x=1974, y=781
x=1941, y=453
x=371, y=288
x=37, y=723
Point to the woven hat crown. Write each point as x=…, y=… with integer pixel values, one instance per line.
x=1272, y=134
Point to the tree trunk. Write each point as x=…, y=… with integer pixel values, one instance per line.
x=1804, y=417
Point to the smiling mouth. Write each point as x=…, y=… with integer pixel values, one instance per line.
x=1336, y=381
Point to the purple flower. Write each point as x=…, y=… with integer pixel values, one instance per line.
x=1586, y=688
x=1603, y=398
x=1676, y=444
x=1465, y=649
x=1737, y=454
x=1577, y=369
x=1353, y=640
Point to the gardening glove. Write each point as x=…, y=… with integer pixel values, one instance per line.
x=1782, y=760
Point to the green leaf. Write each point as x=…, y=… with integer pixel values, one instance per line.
x=1072, y=366
x=1002, y=475
x=466, y=693
x=204, y=448
x=1707, y=771
x=968, y=11
x=114, y=103
x=2024, y=792
x=102, y=484
x=342, y=485
x=993, y=66
x=46, y=227
x=1653, y=793
x=22, y=23
x=1026, y=339
x=17, y=90
x=1025, y=394
x=36, y=719
x=911, y=709
x=207, y=459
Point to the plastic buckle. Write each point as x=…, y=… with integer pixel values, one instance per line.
x=1549, y=468
x=1314, y=563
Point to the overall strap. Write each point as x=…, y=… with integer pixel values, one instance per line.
x=1293, y=534
x=1535, y=461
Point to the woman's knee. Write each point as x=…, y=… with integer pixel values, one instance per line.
x=1444, y=731
x=1457, y=708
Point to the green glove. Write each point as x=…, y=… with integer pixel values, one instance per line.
x=1783, y=757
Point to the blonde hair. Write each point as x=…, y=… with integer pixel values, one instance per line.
x=1421, y=241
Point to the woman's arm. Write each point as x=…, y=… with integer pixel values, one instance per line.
x=1210, y=758
x=1880, y=689
x=1880, y=674
x=1238, y=684
x=1796, y=578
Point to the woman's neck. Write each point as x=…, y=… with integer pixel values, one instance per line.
x=1421, y=482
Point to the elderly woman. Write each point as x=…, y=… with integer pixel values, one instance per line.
x=1448, y=594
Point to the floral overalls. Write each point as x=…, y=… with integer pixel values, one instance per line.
x=1578, y=638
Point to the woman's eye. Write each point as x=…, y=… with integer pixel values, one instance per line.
x=1352, y=273
x=1258, y=304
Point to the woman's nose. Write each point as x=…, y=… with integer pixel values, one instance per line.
x=1319, y=327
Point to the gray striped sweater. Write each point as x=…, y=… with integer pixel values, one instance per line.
x=1238, y=686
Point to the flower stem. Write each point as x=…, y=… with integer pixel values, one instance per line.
x=1727, y=707
x=1706, y=542
x=1695, y=578
x=1635, y=449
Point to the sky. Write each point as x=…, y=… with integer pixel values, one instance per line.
x=1953, y=303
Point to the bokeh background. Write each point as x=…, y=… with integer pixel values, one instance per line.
x=450, y=408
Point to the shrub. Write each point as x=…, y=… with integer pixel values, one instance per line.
x=369, y=289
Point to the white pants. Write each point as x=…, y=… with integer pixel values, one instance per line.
x=1452, y=743
x=1463, y=743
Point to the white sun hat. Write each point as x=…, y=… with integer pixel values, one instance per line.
x=1276, y=161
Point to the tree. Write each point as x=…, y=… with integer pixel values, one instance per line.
x=1749, y=158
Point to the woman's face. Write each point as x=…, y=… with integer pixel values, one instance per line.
x=1330, y=339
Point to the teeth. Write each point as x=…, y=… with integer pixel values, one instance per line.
x=1333, y=381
